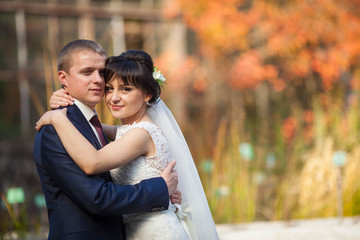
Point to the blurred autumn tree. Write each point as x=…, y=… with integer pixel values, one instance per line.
x=276, y=59
x=276, y=51
x=282, y=42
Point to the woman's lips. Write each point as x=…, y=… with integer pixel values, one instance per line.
x=116, y=107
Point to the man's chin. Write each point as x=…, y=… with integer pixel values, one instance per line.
x=97, y=98
x=93, y=102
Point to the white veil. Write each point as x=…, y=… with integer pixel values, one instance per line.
x=193, y=196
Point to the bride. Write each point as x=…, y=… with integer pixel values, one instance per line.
x=146, y=142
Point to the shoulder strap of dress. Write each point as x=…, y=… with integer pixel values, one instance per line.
x=148, y=126
x=152, y=129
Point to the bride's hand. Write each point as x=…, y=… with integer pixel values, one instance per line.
x=60, y=98
x=176, y=197
x=48, y=117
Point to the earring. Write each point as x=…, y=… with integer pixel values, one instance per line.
x=148, y=104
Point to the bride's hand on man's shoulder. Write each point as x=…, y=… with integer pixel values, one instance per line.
x=60, y=98
x=48, y=118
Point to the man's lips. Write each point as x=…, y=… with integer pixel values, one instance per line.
x=96, y=90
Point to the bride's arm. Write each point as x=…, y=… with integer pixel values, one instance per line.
x=62, y=98
x=110, y=131
x=134, y=143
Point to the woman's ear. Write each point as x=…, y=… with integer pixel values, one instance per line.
x=147, y=98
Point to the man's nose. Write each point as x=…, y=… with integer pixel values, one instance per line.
x=98, y=77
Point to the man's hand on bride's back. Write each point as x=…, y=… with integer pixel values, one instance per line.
x=60, y=98
x=171, y=177
x=48, y=118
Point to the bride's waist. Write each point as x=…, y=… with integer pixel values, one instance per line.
x=147, y=215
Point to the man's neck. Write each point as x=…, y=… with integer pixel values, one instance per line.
x=85, y=109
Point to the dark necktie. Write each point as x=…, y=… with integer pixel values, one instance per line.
x=96, y=123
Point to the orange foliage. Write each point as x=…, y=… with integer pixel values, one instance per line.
x=288, y=128
x=355, y=81
x=308, y=116
x=248, y=71
x=182, y=74
x=294, y=40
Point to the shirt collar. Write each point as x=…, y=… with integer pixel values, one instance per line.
x=88, y=112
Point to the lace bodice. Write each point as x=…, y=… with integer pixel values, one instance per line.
x=163, y=225
x=143, y=167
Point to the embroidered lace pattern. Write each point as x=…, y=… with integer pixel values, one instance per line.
x=156, y=225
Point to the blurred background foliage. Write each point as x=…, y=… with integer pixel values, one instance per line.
x=265, y=91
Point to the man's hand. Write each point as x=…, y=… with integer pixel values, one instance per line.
x=170, y=176
x=176, y=197
x=60, y=98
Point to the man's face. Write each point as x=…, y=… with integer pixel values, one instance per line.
x=85, y=80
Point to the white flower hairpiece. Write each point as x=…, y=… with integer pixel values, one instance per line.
x=158, y=76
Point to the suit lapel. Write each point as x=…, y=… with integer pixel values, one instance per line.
x=78, y=119
x=80, y=122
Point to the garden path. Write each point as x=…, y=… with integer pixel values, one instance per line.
x=313, y=229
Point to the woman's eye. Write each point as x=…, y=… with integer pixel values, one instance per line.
x=126, y=89
x=107, y=88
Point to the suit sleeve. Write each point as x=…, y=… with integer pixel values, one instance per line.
x=93, y=193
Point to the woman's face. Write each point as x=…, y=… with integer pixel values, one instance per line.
x=125, y=102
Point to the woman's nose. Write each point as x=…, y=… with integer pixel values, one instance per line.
x=115, y=96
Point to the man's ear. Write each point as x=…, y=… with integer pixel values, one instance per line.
x=62, y=78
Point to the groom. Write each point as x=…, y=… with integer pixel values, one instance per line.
x=81, y=206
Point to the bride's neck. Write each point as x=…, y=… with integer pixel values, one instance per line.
x=136, y=118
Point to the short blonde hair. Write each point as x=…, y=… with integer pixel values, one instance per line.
x=65, y=57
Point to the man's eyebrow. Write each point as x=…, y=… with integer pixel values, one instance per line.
x=87, y=68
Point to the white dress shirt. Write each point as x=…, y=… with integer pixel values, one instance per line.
x=88, y=113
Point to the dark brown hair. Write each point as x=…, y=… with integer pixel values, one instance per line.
x=134, y=67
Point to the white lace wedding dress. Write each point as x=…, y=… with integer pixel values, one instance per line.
x=156, y=225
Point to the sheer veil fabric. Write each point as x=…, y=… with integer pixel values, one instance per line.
x=189, y=185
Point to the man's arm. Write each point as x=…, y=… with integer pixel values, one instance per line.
x=92, y=192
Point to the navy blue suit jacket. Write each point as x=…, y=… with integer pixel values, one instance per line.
x=82, y=206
